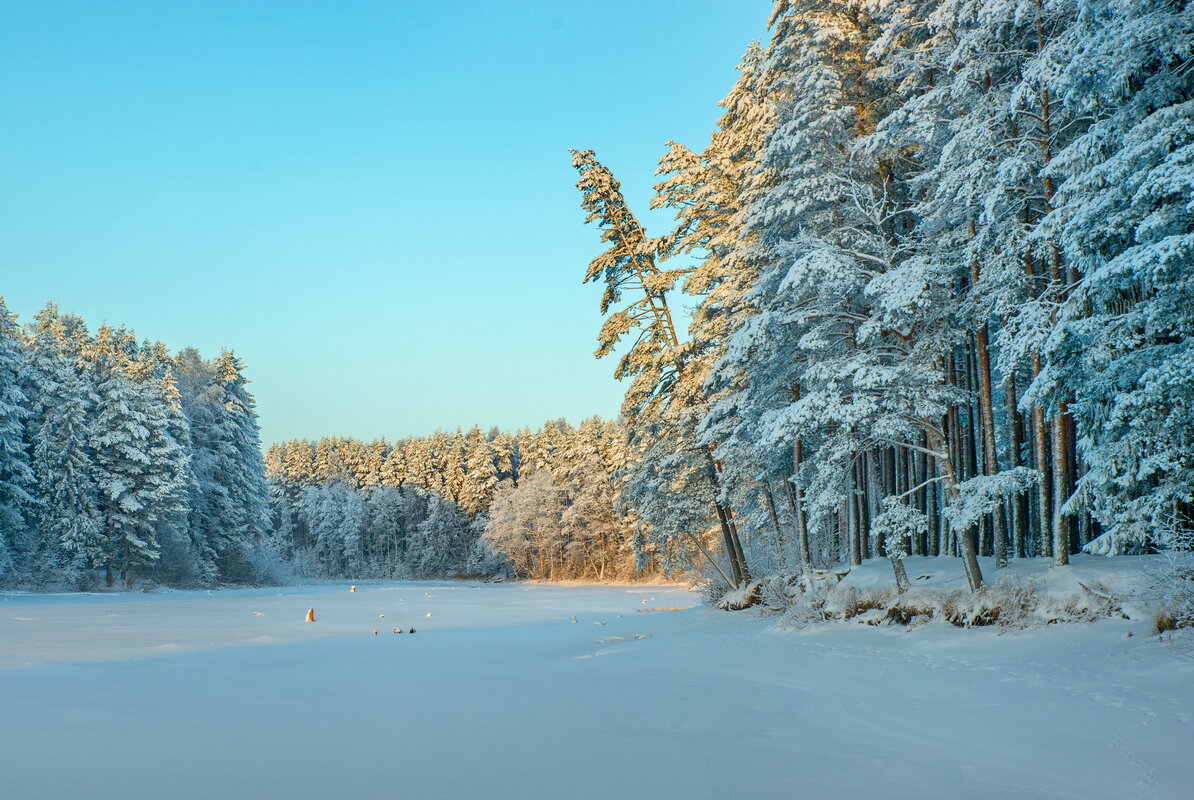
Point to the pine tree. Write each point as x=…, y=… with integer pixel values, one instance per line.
x=69, y=519
x=394, y=468
x=389, y=521
x=441, y=543
x=452, y=467
x=709, y=192
x=480, y=473
x=123, y=461
x=16, y=476
x=170, y=443
x=654, y=363
x=241, y=467
x=1123, y=346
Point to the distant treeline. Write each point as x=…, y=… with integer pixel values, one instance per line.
x=120, y=461
x=537, y=504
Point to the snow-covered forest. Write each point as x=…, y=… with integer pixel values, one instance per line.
x=890, y=493
x=936, y=259
x=939, y=256
x=534, y=504
x=122, y=462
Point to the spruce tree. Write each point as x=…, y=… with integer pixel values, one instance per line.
x=124, y=465
x=16, y=475
x=68, y=514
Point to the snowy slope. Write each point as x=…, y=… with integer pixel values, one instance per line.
x=501, y=695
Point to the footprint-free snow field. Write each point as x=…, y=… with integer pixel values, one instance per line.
x=499, y=693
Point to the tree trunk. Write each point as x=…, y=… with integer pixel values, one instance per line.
x=933, y=511
x=769, y=501
x=967, y=543
x=1040, y=454
x=852, y=529
x=920, y=544
x=1015, y=430
x=990, y=454
x=796, y=496
x=1063, y=445
x=873, y=497
x=1061, y=488
x=796, y=505
x=860, y=498
x=739, y=553
x=901, y=574
x=729, y=535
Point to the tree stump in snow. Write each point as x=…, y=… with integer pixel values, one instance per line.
x=310, y=615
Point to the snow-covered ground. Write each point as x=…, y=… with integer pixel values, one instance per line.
x=500, y=695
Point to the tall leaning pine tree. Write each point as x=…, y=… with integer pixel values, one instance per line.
x=655, y=361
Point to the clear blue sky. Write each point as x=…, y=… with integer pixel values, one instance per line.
x=371, y=202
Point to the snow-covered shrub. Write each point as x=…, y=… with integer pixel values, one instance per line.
x=856, y=602
x=1181, y=605
x=912, y=610
x=809, y=607
x=1008, y=604
x=1092, y=601
x=1176, y=586
x=779, y=592
x=711, y=586
x=1013, y=603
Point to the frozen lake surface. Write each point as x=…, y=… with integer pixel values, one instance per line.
x=500, y=695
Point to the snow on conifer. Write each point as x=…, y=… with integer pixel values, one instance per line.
x=107, y=472
x=16, y=476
